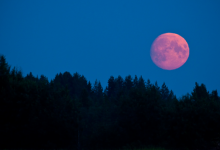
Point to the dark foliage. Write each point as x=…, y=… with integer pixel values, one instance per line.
x=68, y=112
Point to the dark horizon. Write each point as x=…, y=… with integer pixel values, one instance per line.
x=106, y=87
x=68, y=113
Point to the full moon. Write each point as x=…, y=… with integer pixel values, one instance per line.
x=169, y=51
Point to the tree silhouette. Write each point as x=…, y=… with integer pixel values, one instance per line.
x=69, y=113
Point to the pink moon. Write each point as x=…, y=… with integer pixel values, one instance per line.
x=169, y=51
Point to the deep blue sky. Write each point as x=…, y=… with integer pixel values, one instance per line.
x=101, y=38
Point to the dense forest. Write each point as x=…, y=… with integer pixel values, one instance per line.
x=69, y=113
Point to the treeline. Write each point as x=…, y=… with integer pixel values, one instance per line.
x=68, y=112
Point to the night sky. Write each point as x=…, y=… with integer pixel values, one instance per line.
x=99, y=39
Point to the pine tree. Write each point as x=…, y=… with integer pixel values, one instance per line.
x=98, y=89
x=4, y=71
x=135, y=81
x=141, y=83
x=200, y=92
x=164, y=92
x=128, y=83
x=111, y=86
x=149, y=85
x=89, y=87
